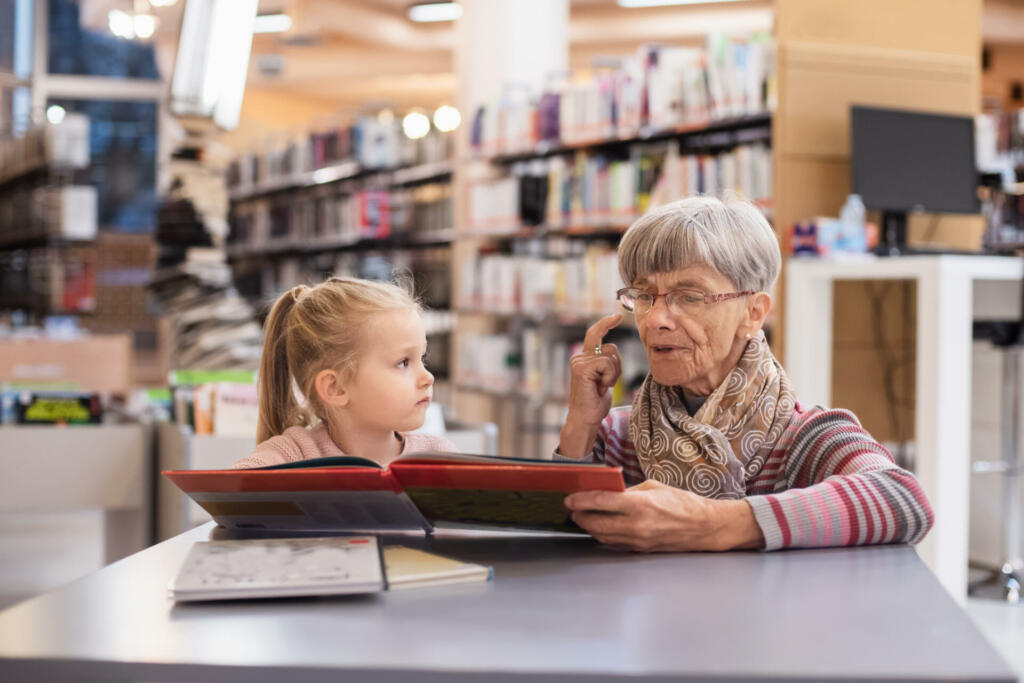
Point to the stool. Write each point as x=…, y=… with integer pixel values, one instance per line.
x=1005, y=584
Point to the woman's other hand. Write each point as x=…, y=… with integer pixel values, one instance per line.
x=594, y=372
x=653, y=517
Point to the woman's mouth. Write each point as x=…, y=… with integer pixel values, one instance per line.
x=666, y=348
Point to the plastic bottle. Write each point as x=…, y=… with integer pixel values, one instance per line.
x=851, y=225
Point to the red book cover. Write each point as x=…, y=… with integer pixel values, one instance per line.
x=415, y=492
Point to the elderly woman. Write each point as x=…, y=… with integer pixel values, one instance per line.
x=721, y=453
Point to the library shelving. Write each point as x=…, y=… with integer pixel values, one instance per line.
x=359, y=200
x=48, y=223
x=554, y=181
x=549, y=265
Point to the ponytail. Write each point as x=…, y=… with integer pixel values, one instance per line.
x=278, y=408
x=313, y=329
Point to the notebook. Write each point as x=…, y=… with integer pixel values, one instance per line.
x=284, y=567
x=411, y=568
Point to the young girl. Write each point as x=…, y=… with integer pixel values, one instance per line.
x=354, y=348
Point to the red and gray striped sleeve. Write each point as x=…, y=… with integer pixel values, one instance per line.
x=614, y=447
x=831, y=484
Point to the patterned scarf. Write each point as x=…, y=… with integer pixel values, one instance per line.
x=715, y=452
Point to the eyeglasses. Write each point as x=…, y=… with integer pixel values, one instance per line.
x=679, y=301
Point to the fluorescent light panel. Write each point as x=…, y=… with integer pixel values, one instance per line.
x=272, y=23
x=435, y=11
x=213, y=58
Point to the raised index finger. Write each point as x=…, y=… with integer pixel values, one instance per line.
x=596, y=332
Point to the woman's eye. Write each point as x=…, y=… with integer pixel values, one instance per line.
x=693, y=298
x=404, y=363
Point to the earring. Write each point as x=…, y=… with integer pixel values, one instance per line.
x=748, y=335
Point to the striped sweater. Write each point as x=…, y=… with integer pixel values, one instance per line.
x=827, y=483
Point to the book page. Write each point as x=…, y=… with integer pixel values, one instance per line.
x=473, y=459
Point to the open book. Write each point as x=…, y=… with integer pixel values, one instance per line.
x=415, y=491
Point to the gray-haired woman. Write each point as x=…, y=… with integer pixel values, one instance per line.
x=719, y=452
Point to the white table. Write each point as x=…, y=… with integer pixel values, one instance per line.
x=558, y=610
x=82, y=467
x=951, y=292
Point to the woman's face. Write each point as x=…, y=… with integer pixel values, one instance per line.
x=696, y=348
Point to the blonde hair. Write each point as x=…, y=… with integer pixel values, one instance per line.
x=731, y=236
x=310, y=329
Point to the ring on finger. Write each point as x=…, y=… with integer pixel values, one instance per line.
x=597, y=350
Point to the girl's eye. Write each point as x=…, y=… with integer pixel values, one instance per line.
x=404, y=363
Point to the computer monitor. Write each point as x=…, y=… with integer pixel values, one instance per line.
x=911, y=161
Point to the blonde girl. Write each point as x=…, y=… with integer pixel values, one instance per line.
x=354, y=349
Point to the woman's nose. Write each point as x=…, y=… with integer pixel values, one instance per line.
x=660, y=316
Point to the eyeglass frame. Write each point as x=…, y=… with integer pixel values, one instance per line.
x=708, y=298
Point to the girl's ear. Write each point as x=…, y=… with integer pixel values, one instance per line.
x=759, y=306
x=330, y=389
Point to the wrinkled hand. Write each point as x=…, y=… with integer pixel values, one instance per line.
x=593, y=374
x=654, y=517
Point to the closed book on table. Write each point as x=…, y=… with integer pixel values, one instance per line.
x=279, y=567
x=412, y=568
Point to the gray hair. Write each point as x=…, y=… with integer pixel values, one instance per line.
x=731, y=236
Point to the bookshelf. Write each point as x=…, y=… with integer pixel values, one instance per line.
x=361, y=200
x=533, y=278
x=47, y=221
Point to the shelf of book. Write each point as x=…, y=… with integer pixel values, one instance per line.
x=597, y=229
x=15, y=241
x=731, y=131
x=346, y=170
x=290, y=246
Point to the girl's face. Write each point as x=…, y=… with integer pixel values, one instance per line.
x=391, y=388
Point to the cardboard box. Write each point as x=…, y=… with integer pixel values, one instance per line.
x=100, y=363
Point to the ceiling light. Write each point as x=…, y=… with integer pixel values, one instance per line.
x=447, y=118
x=435, y=11
x=145, y=25
x=416, y=125
x=666, y=3
x=121, y=24
x=272, y=23
x=162, y=3
x=55, y=114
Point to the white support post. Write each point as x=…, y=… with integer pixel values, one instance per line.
x=809, y=333
x=943, y=417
